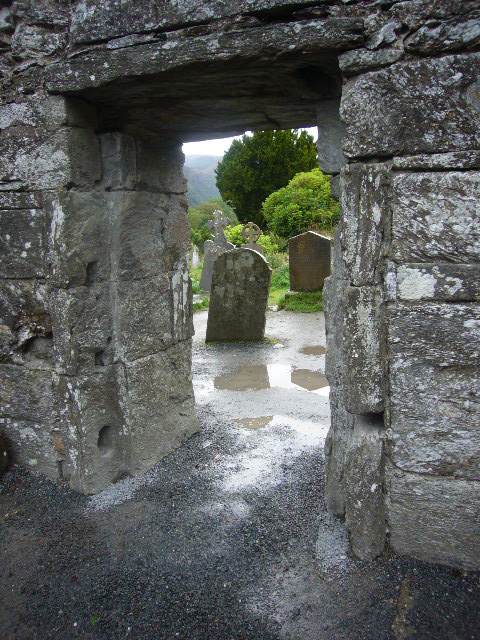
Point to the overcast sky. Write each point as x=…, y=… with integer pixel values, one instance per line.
x=218, y=147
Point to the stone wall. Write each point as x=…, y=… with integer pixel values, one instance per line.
x=403, y=314
x=95, y=310
x=95, y=298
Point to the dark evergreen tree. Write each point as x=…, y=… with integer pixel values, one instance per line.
x=257, y=165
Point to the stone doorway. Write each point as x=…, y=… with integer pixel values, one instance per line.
x=90, y=148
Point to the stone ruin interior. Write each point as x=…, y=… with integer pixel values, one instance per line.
x=96, y=100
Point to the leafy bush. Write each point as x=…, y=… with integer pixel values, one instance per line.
x=234, y=235
x=305, y=203
x=280, y=278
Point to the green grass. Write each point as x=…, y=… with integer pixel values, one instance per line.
x=302, y=302
x=279, y=284
x=195, y=275
x=201, y=304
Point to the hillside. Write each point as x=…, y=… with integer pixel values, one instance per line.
x=200, y=173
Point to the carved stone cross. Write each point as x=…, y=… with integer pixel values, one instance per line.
x=250, y=233
x=219, y=221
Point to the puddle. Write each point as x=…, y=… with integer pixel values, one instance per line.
x=313, y=350
x=250, y=376
x=254, y=423
x=260, y=462
x=308, y=379
x=261, y=376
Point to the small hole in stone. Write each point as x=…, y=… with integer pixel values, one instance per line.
x=99, y=361
x=91, y=272
x=122, y=475
x=105, y=440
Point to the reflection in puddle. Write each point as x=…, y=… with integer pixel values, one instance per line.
x=313, y=350
x=260, y=376
x=254, y=423
x=250, y=376
x=308, y=379
x=304, y=427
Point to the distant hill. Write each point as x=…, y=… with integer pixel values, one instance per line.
x=200, y=173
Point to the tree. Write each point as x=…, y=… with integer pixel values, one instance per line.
x=305, y=203
x=199, y=216
x=255, y=166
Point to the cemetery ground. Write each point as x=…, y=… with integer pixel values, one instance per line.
x=227, y=537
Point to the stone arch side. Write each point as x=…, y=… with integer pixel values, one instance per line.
x=402, y=311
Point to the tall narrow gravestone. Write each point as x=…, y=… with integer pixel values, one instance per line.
x=239, y=297
x=309, y=257
x=214, y=248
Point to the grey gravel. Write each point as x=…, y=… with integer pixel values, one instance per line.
x=181, y=552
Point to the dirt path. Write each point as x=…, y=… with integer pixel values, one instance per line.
x=227, y=537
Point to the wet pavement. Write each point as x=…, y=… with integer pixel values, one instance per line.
x=226, y=538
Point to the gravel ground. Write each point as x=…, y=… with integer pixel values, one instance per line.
x=226, y=538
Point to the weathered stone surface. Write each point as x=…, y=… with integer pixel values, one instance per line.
x=459, y=33
x=79, y=233
x=94, y=21
x=160, y=423
x=4, y=457
x=239, y=298
x=353, y=63
x=34, y=41
x=42, y=11
x=34, y=159
x=330, y=136
x=144, y=316
x=364, y=479
x=88, y=404
x=412, y=107
x=182, y=294
x=309, y=261
x=436, y=217
x=20, y=200
x=335, y=448
x=24, y=316
x=415, y=13
x=434, y=388
x=447, y=509
x=362, y=350
x=160, y=56
x=49, y=112
x=160, y=166
x=119, y=160
x=444, y=281
x=365, y=219
x=454, y=160
x=22, y=243
x=153, y=232
x=83, y=321
x=27, y=416
x=341, y=421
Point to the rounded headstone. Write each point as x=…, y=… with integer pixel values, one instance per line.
x=309, y=261
x=239, y=297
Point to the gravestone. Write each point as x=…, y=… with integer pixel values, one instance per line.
x=309, y=261
x=239, y=297
x=195, y=259
x=250, y=233
x=214, y=248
